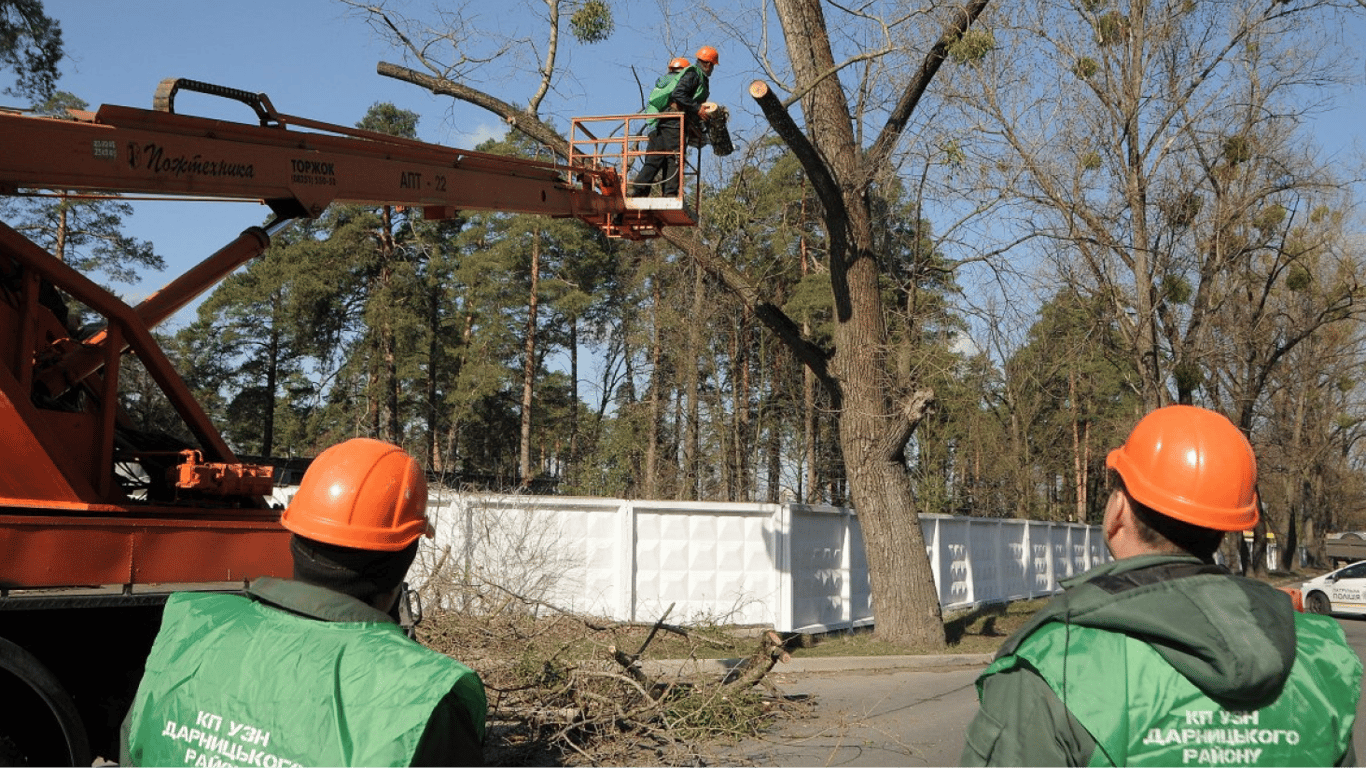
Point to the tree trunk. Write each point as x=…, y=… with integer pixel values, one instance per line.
x=809, y=493
x=573, y=464
x=877, y=412
x=529, y=365
x=272, y=379
x=744, y=431
x=1081, y=452
x=873, y=434
x=692, y=439
x=732, y=437
x=388, y=384
x=773, y=417
x=63, y=227
x=655, y=410
x=808, y=405
x=433, y=374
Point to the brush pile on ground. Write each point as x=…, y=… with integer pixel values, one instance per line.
x=569, y=690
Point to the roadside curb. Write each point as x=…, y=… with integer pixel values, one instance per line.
x=824, y=664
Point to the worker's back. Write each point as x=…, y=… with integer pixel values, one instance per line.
x=237, y=681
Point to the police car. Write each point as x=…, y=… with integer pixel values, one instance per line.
x=1340, y=591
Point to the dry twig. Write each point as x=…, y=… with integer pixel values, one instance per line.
x=562, y=691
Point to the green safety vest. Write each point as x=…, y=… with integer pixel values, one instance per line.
x=1142, y=711
x=664, y=88
x=233, y=682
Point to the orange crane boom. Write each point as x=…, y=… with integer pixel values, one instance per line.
x=99, y=520
x=300, y=172
x=58, y=394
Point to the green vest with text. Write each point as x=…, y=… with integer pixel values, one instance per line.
x=232, y=681
x=1142, y=711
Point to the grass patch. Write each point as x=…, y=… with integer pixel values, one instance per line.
x=983, y=629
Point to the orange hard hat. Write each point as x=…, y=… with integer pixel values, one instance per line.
x=362, y=494
x=708, y=54
x=1190, y=464
x=679, y=63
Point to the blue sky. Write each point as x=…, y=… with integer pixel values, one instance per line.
x=306, y=56
x=316, y=59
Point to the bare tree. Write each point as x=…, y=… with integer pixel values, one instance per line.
x=1309, y=447
x=1282, y=347
x=877, y=409
x=1151, y=135
x=1162, y=161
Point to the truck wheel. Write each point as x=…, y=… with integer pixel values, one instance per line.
x=42, y=726
x=1317, y=602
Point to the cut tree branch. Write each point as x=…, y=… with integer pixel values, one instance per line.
x=520, y=119
x=913, y=409
x=751, y=671
x=817, y=170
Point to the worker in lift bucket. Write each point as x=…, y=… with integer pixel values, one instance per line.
x=314, y=670
x=684, y=90
x=1161, y=657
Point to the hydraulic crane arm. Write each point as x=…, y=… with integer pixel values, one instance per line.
x=87, y=495
x=297, y=172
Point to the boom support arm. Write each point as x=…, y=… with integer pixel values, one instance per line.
x=298, y=173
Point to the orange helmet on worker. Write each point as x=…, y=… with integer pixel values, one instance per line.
x=707, y=55
x=362, y=494
x=1191, y=464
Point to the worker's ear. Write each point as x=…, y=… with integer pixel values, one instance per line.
x=1118, y=514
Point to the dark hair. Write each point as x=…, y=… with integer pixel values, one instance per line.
x=1167, y=533
x=361, y=573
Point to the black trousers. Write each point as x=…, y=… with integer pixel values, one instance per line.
x=663, y=139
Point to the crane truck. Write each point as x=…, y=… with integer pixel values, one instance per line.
x=99, y=520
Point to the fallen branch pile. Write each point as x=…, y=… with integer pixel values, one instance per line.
x=565, y=690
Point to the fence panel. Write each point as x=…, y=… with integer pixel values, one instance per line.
x=565, y=552
x=709, y=567
x=797, y=567
x=1016, y=559
x=828, y=575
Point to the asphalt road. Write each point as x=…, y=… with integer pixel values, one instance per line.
x=902, y=711
x=878, y=711
x=1355, y=629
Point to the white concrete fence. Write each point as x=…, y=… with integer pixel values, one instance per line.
x=797, y=567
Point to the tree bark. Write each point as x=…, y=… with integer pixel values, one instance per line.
x=272, y=379
x=529, y=364
x=655, y=405
x=573, y=468
x=690, y=489
x=434, y=458
x=389, y=383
